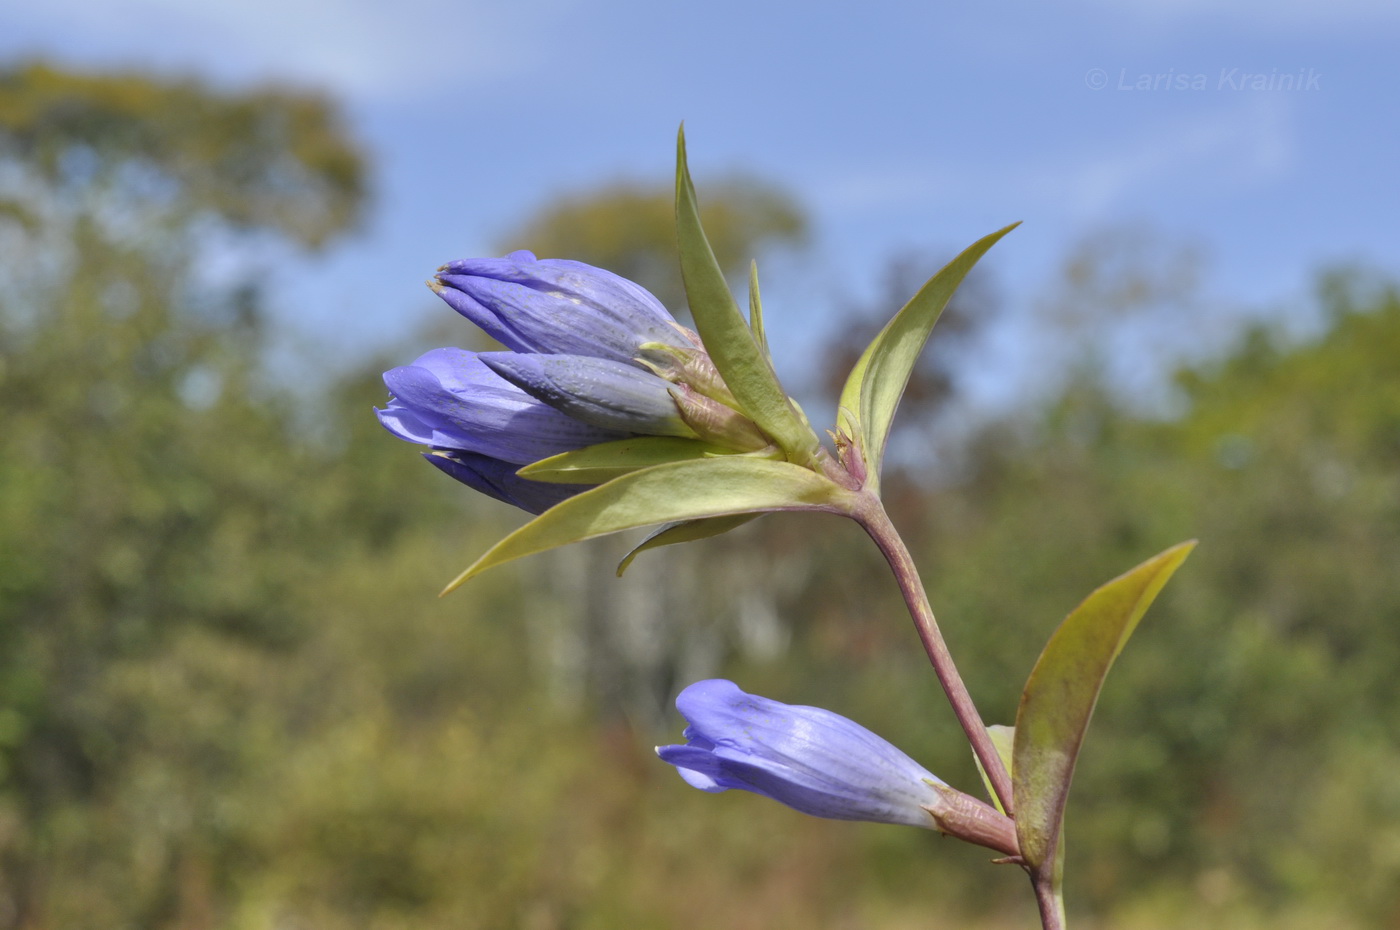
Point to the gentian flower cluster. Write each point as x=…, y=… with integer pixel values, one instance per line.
x=591, y=358
x=598, y=383
x=820, y=763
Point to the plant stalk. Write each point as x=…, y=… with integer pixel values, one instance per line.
x=871, y=515
x=1050, y=902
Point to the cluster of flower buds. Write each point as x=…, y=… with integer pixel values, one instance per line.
x=590, y=358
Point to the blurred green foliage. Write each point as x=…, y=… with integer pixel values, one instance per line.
x=229, y=697
x=269, y=160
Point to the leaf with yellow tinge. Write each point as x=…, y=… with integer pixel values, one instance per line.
x=1061, y=693
x=876, y=383
x=1001, y=737
x=685, y=531
x=714, y=487
x=608, y=460
x=730, y=342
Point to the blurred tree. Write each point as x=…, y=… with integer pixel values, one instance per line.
x=144, y=470
x=1127, y=309
x=1120, y=271
x=145, y=155
x=629, y=228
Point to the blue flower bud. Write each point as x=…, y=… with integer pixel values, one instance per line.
x=597, y=391
x=498, y=479
x=556, y=306
x=449, y=399
x=808, y=758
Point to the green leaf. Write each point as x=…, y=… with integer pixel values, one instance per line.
x=727, y=337
x=609, y=460
x=715, y=487
x=876, y=383
x=685, y=531
x=756, y=312
x=1060, y=695
x=1002, y=737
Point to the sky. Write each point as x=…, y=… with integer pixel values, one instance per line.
x=1265, y=132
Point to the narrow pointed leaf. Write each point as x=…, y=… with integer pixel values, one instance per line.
x=685, y=531
x=876, y=383
x=1002, y=737
x=727, y=337
x=1060, y=696
x=608, y=460
x=756, y=311
x=713, y=487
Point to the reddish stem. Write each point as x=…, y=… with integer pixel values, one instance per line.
x=871, y=515
x=1052, y=914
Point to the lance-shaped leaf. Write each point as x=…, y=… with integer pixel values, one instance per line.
x=727, y=337
x=608, y=460
x=685, y=531
x=760, y=335
x=1060, y=696
x=669, y=493
x=876, y=383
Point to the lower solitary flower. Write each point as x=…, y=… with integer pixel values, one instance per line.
x=808, y=758
x=819, y=763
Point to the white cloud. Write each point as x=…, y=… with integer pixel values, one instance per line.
x=1244, y=144
x=1232, y=143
